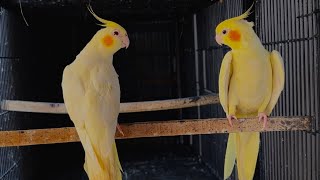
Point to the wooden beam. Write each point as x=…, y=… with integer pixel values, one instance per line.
x=59, y=108
x=156, y=129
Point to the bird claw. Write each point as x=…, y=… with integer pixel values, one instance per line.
x=263, y=116
x=230, y=117
x=120, y=130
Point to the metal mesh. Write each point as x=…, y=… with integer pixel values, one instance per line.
x=10, y=158
x=291, y=27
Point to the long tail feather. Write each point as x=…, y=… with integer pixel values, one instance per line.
x=244, y=147
x=230, y=156
x=107, y=168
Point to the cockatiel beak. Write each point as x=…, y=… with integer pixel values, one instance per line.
x=125, y=41
x=219, y=40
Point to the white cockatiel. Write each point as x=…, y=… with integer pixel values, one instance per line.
x=91, y=94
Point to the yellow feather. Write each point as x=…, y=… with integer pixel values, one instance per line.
x=230, y=156
x=105, y=23
x=277, y=80
x=247, y=149
x=244, y=15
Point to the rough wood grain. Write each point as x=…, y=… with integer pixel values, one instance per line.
x=156, y=129
x=59, y=108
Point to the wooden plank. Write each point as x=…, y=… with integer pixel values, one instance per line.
x=156, y=129
x=59, y=108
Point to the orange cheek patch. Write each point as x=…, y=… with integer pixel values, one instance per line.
x=234, y=35
x=108, y=40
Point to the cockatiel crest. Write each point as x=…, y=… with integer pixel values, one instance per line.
x=105, y=23
x=243, y=16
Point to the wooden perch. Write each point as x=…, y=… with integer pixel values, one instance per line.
x=156, y=129
x=59, y=108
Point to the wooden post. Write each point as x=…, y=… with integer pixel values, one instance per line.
x=156, y=129
x=59, y=108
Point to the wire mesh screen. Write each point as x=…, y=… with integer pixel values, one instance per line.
x=10, y=158
x=292, y=28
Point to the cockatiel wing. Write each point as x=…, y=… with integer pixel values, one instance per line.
x=70, y=82
x=94, y=119
x=278, y=76
x=224, y=80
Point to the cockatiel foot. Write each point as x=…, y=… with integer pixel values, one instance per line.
x=120, y=130
x=230, y=117
x=264, y=117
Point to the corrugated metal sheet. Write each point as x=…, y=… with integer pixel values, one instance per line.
x=292, y=28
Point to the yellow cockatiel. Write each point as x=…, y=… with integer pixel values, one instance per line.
x=250, y=82
x=91, y=94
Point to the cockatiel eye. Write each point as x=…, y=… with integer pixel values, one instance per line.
x=116, y=33
x=224, y=32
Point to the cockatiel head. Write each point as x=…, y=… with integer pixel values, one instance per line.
x=111, y=38
x=236, y=32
